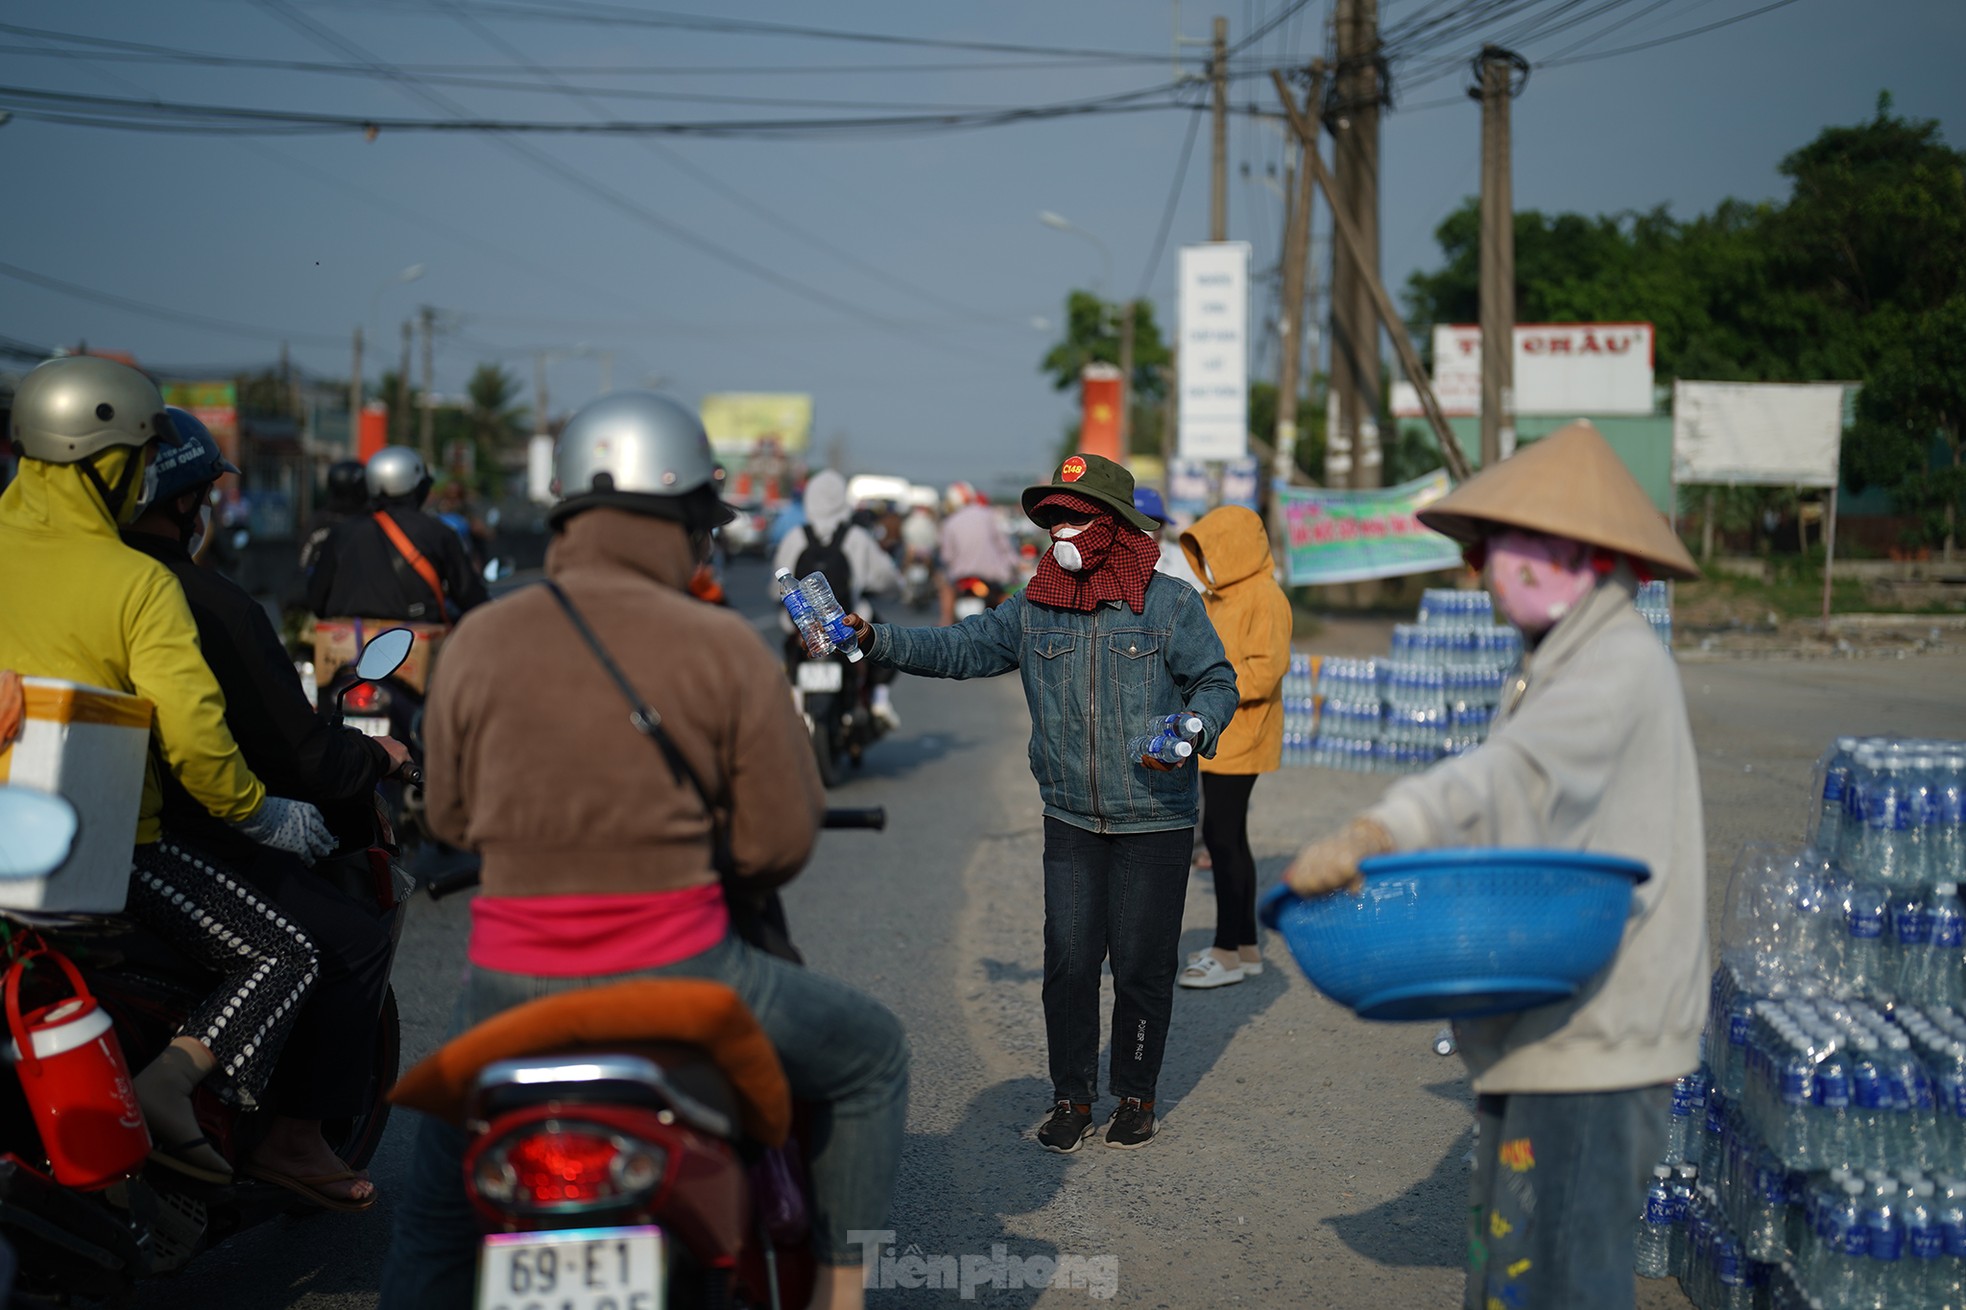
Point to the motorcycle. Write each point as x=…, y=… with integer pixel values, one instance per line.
x=385, y=707
x=917, y=581
x=975, y=595
x=92, y=1247
x=620, y=1174
x=836, y=699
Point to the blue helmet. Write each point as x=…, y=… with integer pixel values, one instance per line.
x=1148, y=502
x=195, y=462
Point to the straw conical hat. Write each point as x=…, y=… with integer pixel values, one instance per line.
x=1569, y=484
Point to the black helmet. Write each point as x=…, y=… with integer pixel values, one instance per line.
x=348, y=485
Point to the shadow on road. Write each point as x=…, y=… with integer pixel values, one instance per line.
x=1406, y=1231
x=892, y=757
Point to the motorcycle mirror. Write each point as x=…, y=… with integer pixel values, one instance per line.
x=384, y=654
x=37, y=833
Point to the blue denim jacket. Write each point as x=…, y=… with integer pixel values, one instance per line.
x=1093, y=682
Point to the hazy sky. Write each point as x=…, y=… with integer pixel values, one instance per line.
x=896, y=278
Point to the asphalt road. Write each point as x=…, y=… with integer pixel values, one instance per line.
x=1307, y=1159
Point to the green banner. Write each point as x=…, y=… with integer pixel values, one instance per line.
x=1349, y=536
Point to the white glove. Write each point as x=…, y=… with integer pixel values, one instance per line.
x=292, y=826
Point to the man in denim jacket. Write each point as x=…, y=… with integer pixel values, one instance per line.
x=1107, y=649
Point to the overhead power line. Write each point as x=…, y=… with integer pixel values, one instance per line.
x=611, y=15
x=164, y=312
x=1173, y=203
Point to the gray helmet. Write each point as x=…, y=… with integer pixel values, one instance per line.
x=396, y=472
x=71, y=408
x=639, y=451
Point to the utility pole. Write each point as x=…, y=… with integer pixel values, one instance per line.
x=1354, y=458
x=1218, y=190
x=1347, y=247
x=1290, y=326
x=1126, y=380
x=355, y=397
x=1170, y=379
x=539, y=393
x=1496, y=72
x=427, y=441
x=401, y=422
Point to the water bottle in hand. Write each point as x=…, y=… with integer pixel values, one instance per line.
x=1184, y=725
x=798, y=604
x=832, y=615
x=1163, y=746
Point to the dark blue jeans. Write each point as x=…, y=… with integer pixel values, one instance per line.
x=1117, y=894
x=839, y=1048
x=1559, y=1184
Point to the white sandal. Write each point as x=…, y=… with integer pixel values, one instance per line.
x=1209, y=972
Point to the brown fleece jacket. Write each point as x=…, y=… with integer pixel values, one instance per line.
x=531, y=759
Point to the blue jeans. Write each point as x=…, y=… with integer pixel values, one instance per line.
x=1119, y=894
x=840, y=1049
x=1559, y=1184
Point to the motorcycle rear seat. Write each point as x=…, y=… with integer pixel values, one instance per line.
x=688, y=1068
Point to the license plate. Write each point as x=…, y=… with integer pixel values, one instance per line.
x=580, y=1269
x=375, y=725
x=821, y=675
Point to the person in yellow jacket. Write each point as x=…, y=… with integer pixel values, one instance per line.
x=78, y=604
x=1230, y=552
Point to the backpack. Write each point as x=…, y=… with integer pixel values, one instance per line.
x=828, y=558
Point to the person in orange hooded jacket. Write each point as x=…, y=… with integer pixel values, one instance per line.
x=1230, y=552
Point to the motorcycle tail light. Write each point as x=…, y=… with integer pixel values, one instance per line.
x=367, y=698
x=561, y=1165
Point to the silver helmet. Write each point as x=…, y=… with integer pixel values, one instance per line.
x=641, y=451
x=396, y=472
x=71, y=408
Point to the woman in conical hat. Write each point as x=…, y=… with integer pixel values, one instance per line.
x=1591, y=751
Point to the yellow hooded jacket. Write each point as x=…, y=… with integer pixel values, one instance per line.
x=77, y=604
x=1229, y=551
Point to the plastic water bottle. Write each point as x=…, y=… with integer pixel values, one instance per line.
x=1836, y=779
x=1922, y=801
x=1948, y=863
x=1911, y=942
x=1941, y=984
x=1689, y=1106
x=1864, y=964
x=798, y=604
x=1187, y=726
x=1846, y=1248
x=1163, y=746
x=832, y=615
x=1887, y=821
x=1653, y=1241
x=1950, y=1275
x=1685, y=1180
x=1885, y=1231
x=1832, y=1144
x=1920, y=1280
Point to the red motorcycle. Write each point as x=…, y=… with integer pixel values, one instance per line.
x=633, y=1145
x=90, y=1246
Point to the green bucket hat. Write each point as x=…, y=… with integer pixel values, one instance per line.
x=1097, y=479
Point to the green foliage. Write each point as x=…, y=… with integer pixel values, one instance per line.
x=1859, y=275
x=1092, y=334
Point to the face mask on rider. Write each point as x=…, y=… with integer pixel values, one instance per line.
x=1063, y=550
x=201, y=532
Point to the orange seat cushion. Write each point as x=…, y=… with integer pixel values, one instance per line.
x=699, y=1013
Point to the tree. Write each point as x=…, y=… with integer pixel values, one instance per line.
x=1092, y=335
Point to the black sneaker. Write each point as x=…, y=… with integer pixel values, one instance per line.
x=1132, y=1125
x=1068, y=1126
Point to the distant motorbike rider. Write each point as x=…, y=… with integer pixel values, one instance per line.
x=974, y=545
x=598, y=861
x=829, y=527
x=77, y=604
x=395, y=562
x=348, y=496
x=323, y=1073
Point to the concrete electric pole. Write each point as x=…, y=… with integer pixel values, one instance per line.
x=401, y=421
x=1499, y=77
x=1290, y=323
x=426, y=440
x=1353, y=458
x=355, y=397
x=1218, y=188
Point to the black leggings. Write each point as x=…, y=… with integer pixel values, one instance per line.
x=1225, y=831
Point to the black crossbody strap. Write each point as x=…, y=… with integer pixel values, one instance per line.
x=641, y=715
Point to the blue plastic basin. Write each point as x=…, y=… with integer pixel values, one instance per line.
x=1455, y=934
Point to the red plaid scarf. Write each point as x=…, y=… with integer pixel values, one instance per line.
x=1119, y=562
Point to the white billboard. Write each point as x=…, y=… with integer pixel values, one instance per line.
x=1214, y=343
x=1783, y=434
x=1561, y=369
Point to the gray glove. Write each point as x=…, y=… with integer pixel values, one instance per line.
x=292, y=826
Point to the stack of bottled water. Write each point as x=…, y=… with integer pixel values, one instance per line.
x=1299, y=711
x=1655, y=607
x=1351, y=716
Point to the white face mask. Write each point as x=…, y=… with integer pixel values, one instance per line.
x=203, y=530
x=147, y=490
x=1067, y=555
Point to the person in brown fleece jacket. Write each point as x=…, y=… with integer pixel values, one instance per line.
x=597, y=859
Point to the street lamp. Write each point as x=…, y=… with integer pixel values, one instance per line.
x=1063, y=224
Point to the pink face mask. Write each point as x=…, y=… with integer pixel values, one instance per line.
x=1538, y=579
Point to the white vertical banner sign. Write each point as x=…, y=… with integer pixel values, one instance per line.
x=1214, y=373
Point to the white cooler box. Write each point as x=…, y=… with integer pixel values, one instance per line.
x=88, y=745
